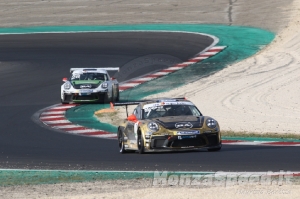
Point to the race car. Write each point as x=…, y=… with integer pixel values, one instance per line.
x=89, y=85
x=167, y=124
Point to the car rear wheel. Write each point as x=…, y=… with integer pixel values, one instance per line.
x=141, y=148
x=121, y=142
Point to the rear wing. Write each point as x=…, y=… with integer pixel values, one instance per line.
x=126, y=104
x=95, y=69
x=146, y=100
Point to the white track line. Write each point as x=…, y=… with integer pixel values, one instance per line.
x=67, y=126
x=53, y=112
x=84, y=131
x=57, y=122
x=51, y=117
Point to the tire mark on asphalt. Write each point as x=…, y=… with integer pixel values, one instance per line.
x=230, y=11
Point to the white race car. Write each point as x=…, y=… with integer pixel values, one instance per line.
x=90, y=85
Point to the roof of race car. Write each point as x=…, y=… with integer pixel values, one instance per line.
x=93, y=70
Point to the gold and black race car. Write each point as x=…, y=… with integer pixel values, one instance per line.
x=167, y=124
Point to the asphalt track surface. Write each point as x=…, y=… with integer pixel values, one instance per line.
x=31, y=68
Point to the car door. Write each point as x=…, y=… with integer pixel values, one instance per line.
x=131, y=128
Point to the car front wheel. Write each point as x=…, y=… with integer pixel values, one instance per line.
x=118, y=96
x=64, y=102
x=141, y=148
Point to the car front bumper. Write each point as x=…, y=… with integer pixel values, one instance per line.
x=186, y=142
x=90, y=97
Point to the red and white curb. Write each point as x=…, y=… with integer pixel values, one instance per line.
x=198, y=58
x=54, y=117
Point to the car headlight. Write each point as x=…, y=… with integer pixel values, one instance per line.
x=67, y=85
x=152, y=126
x=104, y=85
x=211, y=123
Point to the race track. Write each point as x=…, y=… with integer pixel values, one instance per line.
x=33, y=66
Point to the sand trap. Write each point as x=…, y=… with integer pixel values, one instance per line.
x=260, y=94
x=144, y=189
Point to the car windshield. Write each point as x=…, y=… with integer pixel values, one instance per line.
x=155, y=110
x=89, y=76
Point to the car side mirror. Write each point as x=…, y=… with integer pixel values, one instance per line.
x=65, y=79
x=113, y=78
x=132, y=118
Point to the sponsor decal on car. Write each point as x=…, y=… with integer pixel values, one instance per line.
x=187, y=132
x=86, y=86
x=183, y=125
x=181, y=137
x=85, y=92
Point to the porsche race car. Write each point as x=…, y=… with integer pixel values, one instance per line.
x=167, y=124
x=89, y=85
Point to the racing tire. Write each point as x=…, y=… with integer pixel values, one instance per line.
x=214, y=149
x=105, y=98
x=140, y=142
x=112, y=98
x=63, y=102
x=121, y=142
x=118, y=96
